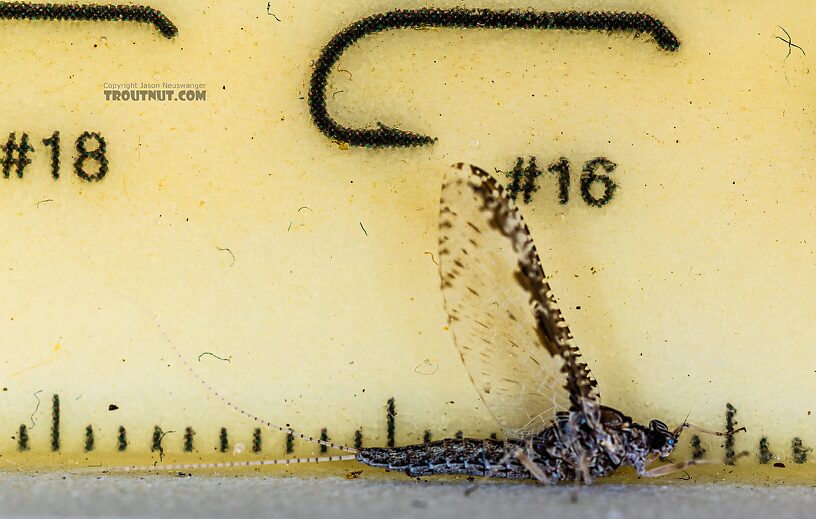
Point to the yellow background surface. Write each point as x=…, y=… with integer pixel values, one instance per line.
x=691, y=289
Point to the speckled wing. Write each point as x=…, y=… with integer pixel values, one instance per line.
x=505, y=321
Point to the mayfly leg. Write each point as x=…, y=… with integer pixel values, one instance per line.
x=531, y=466
x=682, y=465
x=703, y=430
x=586, y=476
x=236, y=407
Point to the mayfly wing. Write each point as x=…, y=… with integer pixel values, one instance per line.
x=505, y=321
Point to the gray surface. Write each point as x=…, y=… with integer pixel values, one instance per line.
x=198, y=496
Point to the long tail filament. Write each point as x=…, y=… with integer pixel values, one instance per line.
x=246, y=413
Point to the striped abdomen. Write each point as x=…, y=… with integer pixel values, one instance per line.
x=466, y=456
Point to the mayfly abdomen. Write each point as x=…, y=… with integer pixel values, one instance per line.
x=470, y=457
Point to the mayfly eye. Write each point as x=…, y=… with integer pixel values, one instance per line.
x=670, y=441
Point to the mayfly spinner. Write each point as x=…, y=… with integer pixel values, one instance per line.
x=520, y=355
x=518, y=350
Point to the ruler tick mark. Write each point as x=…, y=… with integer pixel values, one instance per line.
x=257, y=440
x=223, y=440
x=22, y=438
x=55, y=423
x=765, y=454
x=697, y=449
x=89, y=438
x=799, y=451
x=730, y=413
x=188, y=439
x=324, y=436
x=158, y=436
x=391, y=421
x=121, y=439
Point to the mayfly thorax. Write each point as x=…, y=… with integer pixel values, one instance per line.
x=520, y=356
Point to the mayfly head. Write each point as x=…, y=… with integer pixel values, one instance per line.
x=661, y=440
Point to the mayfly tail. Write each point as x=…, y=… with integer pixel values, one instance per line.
x=244, y=412
x=221, y=465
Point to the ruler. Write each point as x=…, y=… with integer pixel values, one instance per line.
x=167, y=190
